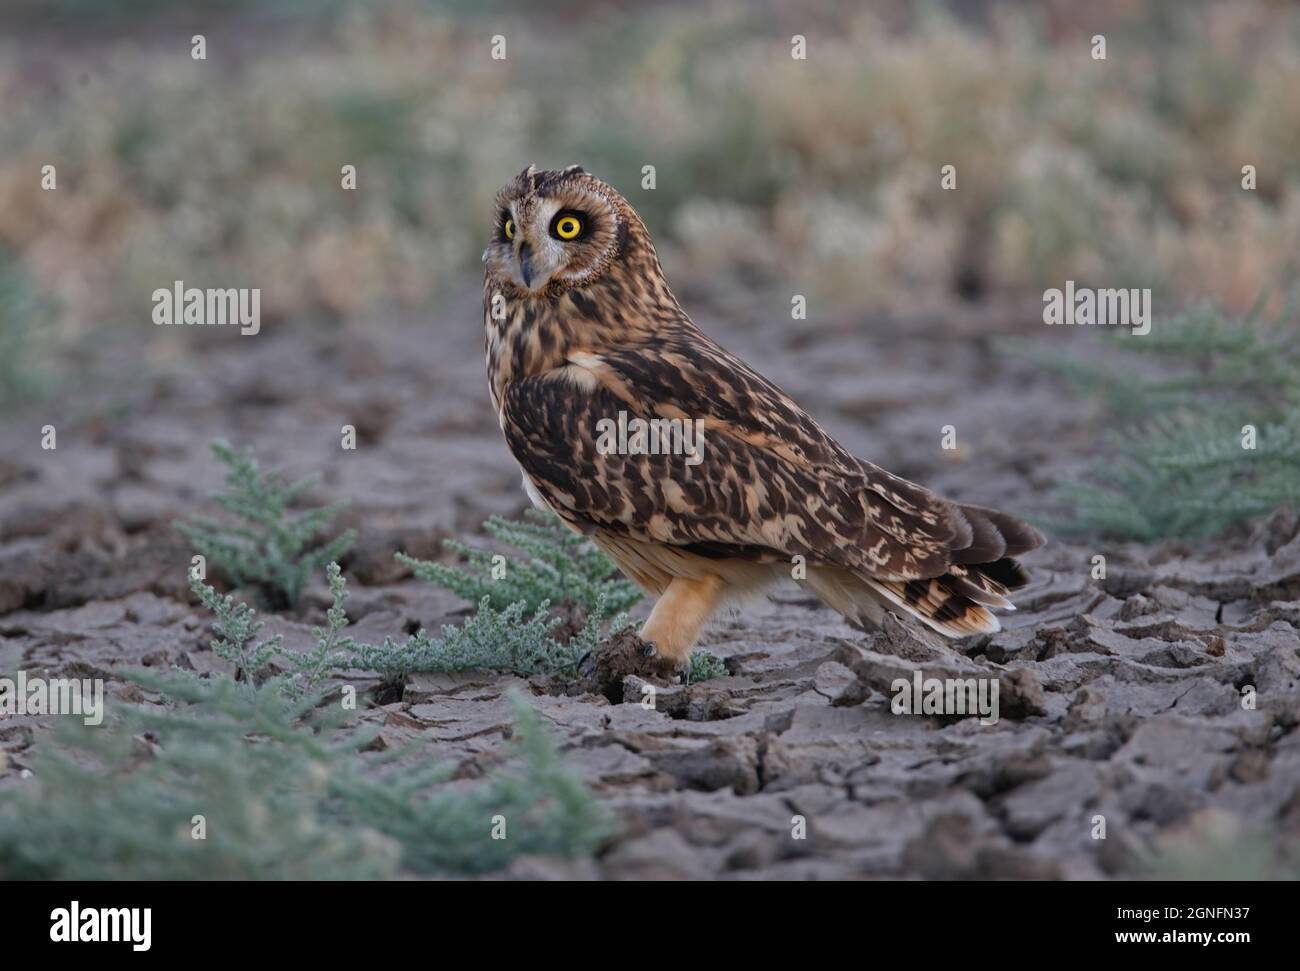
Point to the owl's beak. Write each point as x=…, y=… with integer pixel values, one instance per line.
x=526, y=263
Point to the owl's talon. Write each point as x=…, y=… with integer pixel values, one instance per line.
x=672, y=669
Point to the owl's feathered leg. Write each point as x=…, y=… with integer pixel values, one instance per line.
x=675, y=622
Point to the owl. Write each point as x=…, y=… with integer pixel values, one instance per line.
x=734, y=487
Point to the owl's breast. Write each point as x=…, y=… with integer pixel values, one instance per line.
x=522, y=338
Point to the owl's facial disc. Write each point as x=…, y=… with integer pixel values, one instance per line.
x=552, y=243
x=553, y=238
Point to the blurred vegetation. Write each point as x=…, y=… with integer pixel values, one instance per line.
x=22, y=339
x=286, y=790
x=1178, y=401
x=819, y=175
x=1215, y=845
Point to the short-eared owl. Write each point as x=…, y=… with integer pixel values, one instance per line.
x=583, y=333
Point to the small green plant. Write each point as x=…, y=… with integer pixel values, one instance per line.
x=265, y=544
x=1185, y=399
x=331, y=649
x=236, y=626
x=236, y=629
x=233, y=781
x=706, y=667
x=559, y=566
x=499, y=640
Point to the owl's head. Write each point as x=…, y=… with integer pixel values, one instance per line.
x=557, y=230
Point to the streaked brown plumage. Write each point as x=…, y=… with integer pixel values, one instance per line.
x=579, y=330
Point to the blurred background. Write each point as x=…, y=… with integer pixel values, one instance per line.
x=773, y=175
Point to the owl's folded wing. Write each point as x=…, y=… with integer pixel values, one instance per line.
x=744, y=472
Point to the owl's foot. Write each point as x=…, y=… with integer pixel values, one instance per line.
x=666, y=666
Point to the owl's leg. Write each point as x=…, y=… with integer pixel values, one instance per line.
x=674, y=623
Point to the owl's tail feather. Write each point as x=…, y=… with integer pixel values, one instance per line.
x=944, y=603
x=981, y=575
x=941, y=603
x=955, y=604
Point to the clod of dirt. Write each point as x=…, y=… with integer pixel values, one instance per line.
x=695, y=702
x=603, y=670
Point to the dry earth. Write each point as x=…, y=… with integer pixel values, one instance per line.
x=1120, y=698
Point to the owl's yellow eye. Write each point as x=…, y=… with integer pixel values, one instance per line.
x=509, y=229
x=567, y=226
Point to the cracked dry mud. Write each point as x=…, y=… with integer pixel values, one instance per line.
x=1119, y=697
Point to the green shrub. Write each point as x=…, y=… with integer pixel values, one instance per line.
x=263, y=542
x=559, y=566
x=499, y=640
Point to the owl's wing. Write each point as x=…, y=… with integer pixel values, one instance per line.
x=765, y=482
